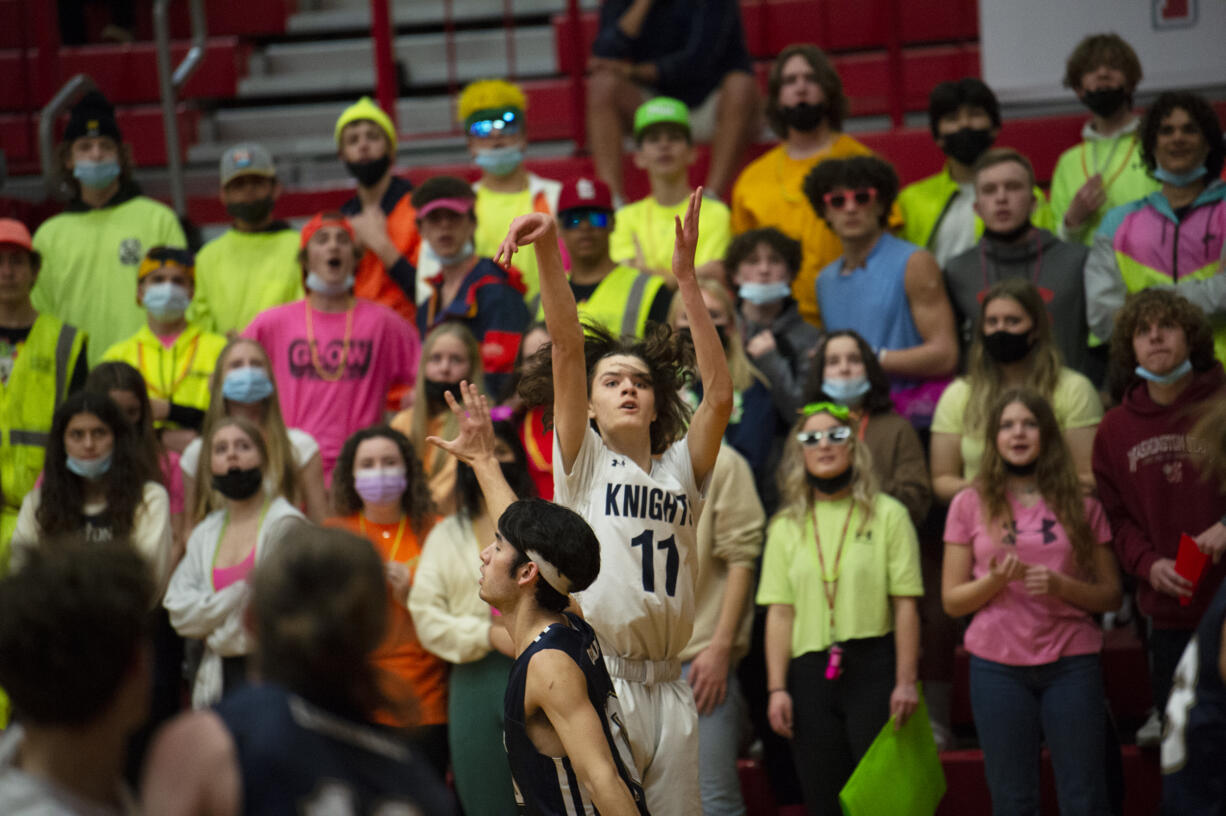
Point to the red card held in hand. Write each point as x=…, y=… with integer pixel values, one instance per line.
x=1190, y=563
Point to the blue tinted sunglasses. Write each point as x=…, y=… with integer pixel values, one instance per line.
x=506, y=124
x=575, y=218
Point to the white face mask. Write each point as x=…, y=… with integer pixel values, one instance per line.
x=464, y=254
x=321, y=287
x=763, y=293
x=166, y=301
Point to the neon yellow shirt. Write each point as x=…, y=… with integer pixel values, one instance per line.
x=647, y=226
x=240, y=274
x=179, y=374
x=495, y=211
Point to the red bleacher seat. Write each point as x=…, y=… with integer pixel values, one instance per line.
x=129, y=72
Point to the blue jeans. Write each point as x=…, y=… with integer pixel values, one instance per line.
x=719, y=737
x=1015, y=706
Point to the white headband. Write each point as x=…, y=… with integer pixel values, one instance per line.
x=549, y=572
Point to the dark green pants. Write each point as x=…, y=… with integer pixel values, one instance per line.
x=474, y=717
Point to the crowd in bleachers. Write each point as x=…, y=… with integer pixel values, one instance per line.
x=963, y=409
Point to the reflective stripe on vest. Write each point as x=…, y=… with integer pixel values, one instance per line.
x=630, y=318
x=39, y=438
x=63, y=355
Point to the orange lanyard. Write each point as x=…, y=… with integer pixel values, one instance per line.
x=344, y=363
x=829, y=581
x=532, y=448
x=159, y=390
x=399, y=533
x=1107, y=183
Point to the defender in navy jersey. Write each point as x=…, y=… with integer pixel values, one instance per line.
x=303, y=743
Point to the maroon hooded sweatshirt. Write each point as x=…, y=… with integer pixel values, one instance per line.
x=1153, y=491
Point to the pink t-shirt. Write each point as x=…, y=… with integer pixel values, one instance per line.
x=383, y=351
x=1016, y=628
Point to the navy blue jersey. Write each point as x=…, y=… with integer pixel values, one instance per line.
x=297, y=759
x=546, y=785
x=1194, y=743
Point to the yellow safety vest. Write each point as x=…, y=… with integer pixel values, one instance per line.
x=36, y=387
x=620, y=302
x=179, y=374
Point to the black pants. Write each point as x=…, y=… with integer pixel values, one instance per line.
x=835, y=721
x=1165, y=648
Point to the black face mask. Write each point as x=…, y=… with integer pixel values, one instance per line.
x=239, y=484
x=252, y=212
x=435, y=390
x=1027, y=469
x=369, y=172
x=1009, y=236
x=1007, y=347
x=1105, y=101
x=966, y=145
x=832, y=485
x=721, y=331
x=804, y=117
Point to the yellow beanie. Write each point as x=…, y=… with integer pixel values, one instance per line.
x=487, y=94
x=366, y=109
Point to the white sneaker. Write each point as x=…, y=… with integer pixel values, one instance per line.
x=1149, y=735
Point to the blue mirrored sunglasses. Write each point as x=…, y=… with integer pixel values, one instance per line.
x=506, y=124
x=573, y=218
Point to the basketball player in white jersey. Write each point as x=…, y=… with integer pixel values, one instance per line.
x=638, y=480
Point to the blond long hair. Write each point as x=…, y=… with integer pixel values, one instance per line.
x=280, y=471
x=419, y=427
x=797, y=496
x=742, y=371
x=1055, y=473
x=984, y=375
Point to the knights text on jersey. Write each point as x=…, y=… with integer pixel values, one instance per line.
x=1194, y=740
x=548, y=785
x=297, y=759
x=642, y=603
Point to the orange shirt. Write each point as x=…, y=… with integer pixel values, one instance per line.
x=408, y=672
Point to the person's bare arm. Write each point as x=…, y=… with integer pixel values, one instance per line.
x=556, y=686
x=1080, y=443
x=962, y=594
x=937, y=354
x=570, y=398
x=945, y=452
x=904, y=699
x=192, y=769
x=314, y=496
x=778, y=651
x=1100, y=593
x=711, y=417
x=475, y=447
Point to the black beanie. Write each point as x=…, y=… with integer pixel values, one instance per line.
x=92, y=116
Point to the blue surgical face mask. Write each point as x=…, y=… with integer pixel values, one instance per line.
x=248, y=385
x=464, y=254
x=91, y=469
x=166, y=301
x=762, y=293
x=499, y=161
x=1174, y=375
x=321, y=287
x=1180, y=179
x=846, y=392
x=96, y=175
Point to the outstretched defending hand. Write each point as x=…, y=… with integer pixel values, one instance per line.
x=526, y=229
x=687, y=238
x=476, y=438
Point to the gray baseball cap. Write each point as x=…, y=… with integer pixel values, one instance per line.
x=246, y=159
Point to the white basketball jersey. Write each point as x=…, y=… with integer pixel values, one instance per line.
x=642, y=603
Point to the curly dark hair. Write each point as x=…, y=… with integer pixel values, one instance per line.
x=71, y=624
x=876, y=401
x=852, y=174
x=1102, y=49
x=561, y=536
x=61, y=509
x=1143, y=309
x=1201, y=112
x=827, y=78
x=415, y=501
x=744, y=244
x=468, y=491
x=948, y=97
x=669, y=357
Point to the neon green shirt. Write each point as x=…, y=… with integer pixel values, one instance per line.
x=648, y=227
x=1125, y=179
x=240, y=274
x=90, y=257
x=882, y=561
x=495, y=211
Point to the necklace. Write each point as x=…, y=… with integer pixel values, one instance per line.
x=386, y=534
x=315, y=363
x=1044, y=292
x=1097, y=169
x=830, y=583
x=159, y=390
